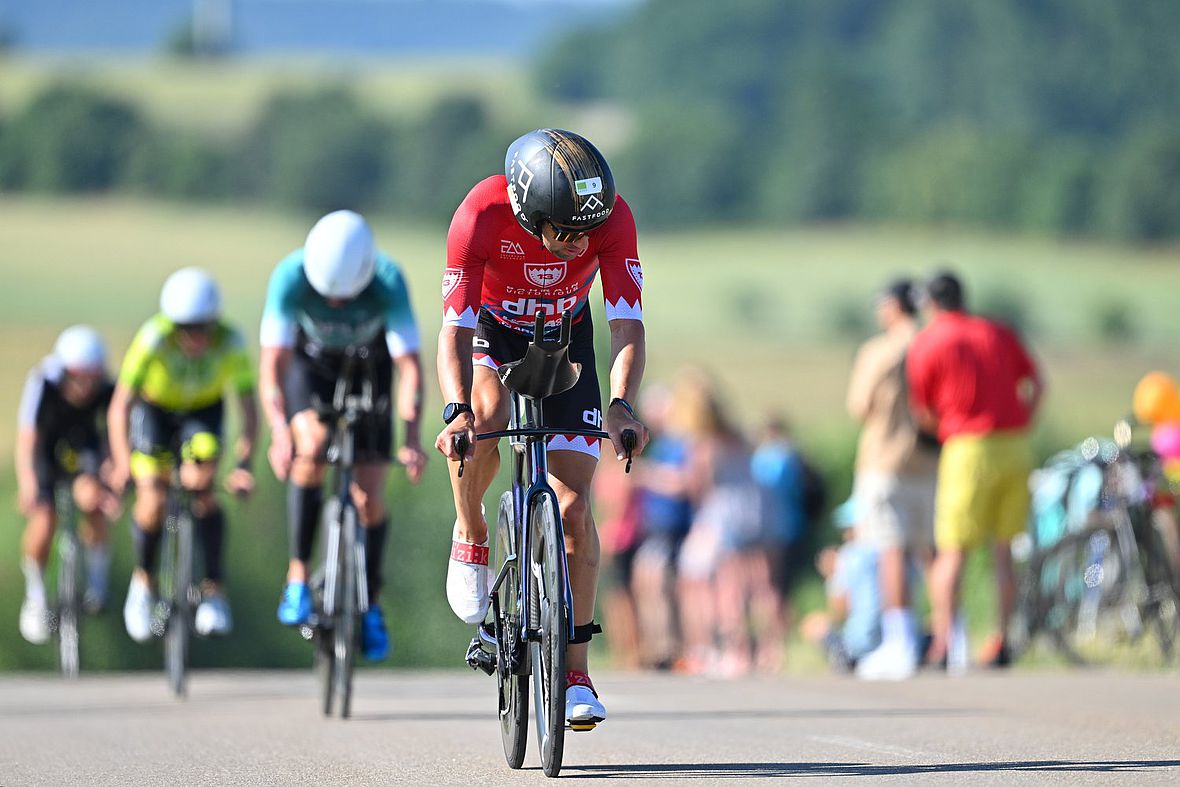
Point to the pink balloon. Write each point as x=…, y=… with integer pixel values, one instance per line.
x=1165, y=440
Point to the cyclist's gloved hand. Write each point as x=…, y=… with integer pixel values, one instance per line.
x=618, y=420
x=414, y=459
x=445, y=442
x=111, y=504
x=119, y=477
x=240, y=482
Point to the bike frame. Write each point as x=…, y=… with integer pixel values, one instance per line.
x=530, y=480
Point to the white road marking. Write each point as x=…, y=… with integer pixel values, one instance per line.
x=877, y=748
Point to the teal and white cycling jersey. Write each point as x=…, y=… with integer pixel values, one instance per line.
x=293, y=306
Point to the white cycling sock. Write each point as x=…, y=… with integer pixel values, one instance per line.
x=34, y=579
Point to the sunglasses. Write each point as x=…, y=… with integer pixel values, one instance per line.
x=195, y=328
x=567, y=234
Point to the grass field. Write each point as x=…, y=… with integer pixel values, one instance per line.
x=755, y=307
x=224, y=97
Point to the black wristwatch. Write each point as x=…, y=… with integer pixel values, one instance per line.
x=453, y=410
x=626, y=405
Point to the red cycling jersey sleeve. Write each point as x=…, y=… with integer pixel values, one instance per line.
x=495, y=265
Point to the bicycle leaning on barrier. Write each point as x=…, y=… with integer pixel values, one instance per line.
x=1100, y=575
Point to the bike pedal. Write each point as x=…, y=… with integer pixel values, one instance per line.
x=479, y=659
x=582, y=726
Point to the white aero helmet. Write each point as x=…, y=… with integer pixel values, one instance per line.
x=190, y=296
x=81, y=347
x=338, y=257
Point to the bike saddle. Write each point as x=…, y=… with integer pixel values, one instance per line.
x=545, y=369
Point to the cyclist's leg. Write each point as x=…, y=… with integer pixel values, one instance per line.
x=468, y=575
x=35, y=545
x=374, y=451
x=152, y=432
x=42, y=519
x=88, y=493
x=490, y=402
x=368, y=491
x=306, y=381
x=305, y=489
x=200, y=450
x=571, y=473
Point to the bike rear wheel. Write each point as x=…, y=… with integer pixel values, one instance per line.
x=548, y=583
x=69, y=603
x=511, y=674
x=178, y=544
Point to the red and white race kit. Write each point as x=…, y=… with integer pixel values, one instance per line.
x=499, y=275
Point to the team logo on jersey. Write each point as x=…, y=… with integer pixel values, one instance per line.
x=450, y=280
x=510, y=248
x=636, y=271
x=545, y=274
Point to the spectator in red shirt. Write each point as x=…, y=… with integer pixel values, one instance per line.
x=973, y=383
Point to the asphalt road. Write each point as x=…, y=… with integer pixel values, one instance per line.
x=440, y=728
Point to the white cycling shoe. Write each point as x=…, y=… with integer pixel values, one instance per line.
x=213, y=617
x=137, y=610
x=469, y=581
x=34, y=621
x=583, y=709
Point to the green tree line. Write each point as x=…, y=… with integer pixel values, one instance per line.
x=1055, y=116
x=1052, y=116
x=317, y=150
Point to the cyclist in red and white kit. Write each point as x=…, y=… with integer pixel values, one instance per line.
x=534, y=239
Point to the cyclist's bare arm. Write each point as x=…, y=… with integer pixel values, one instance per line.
x=117, y=435
x=240, y=480
x=628, y=359
x=272, y=367
x=454, y=380
x=26, y=474
x=409, y=410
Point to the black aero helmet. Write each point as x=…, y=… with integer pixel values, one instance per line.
x=559, y=177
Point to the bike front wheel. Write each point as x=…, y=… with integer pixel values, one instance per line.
x=511, y=675
x=548, y=588
x=69, y=602
x=179, y=546
x=346, y=630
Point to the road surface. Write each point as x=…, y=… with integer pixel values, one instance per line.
x=435, y=728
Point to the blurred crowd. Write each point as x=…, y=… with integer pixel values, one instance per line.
x=705, y=538
x=708, y=537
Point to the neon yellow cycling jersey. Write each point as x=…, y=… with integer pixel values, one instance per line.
x=158, y=370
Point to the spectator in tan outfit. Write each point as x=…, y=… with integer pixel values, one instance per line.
x=894, y=484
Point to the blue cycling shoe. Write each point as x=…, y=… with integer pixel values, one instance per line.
x=295, y=605
x=374, y=637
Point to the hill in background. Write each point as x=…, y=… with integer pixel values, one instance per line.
x=367, y=27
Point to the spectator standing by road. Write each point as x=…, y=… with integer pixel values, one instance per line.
x=972, y=381
x=895, y=478
x=666, y=510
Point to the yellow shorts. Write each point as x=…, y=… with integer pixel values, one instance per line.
x=982, y=489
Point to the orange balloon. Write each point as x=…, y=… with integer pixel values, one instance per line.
x=1156, y=399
